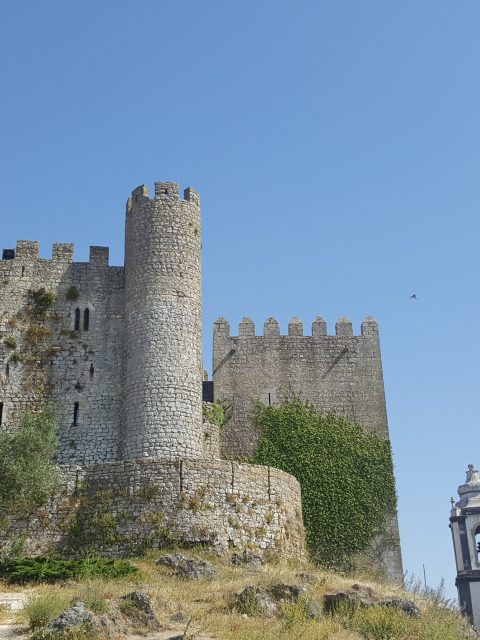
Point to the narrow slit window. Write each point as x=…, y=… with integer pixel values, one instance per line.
x=1, y=412
x=77, y=319
x=7, y=370
x=76, y=410
x=91, y=373
x=86, y=319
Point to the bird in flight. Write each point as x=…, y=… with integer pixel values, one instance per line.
x=413, y=296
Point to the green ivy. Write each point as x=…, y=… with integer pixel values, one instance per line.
x=28, y=475
x=346, y=476
x=215, y=413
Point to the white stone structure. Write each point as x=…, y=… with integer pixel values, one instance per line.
x=465, y=526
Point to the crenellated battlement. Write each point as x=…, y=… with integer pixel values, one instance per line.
x=99, y=256
x=271, y=328
x=28, y=251
x=340, y=372
x=163, y=191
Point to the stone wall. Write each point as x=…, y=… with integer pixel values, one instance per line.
x=54, y=361
x=124, y=507
x=122, y=388
x=163, y=309
x=118, y=350
x=341, y=373
x=119, y=353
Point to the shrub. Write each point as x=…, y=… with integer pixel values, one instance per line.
x=217, y=414
x=52, y=569
x=93, y=598
x=11, y=547
x=10, y=342
x=28, y=475
x=40, y=608
x=380, y=623
x=72, y=293
x=346, y=475
x=387, y=623
x=42, y=301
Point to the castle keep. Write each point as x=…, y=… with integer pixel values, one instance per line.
x=118, y=350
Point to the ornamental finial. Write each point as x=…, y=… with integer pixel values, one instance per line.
x=473, y=476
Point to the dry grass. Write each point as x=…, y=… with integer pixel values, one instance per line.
x=207, y=605
x=5, y=613
x=42, y=606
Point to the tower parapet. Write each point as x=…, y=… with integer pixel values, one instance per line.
x=163, y=366
x=341, y=372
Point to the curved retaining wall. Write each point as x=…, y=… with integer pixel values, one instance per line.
x=122, y=508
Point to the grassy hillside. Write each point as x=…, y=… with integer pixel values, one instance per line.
x=209, y=612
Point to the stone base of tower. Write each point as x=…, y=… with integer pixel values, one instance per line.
x=123, y=508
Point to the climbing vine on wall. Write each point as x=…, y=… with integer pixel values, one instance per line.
x=33, y=328
x=346, y=475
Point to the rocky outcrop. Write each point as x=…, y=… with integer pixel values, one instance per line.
x=188, y=568
x=268, y=601
x=247, y=559
x=365, y=597
x=76, y=616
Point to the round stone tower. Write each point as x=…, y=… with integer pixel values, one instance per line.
x=163, y=362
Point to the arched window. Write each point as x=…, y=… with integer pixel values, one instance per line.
x=77, y=319
x=91, y=373
x=86, y=319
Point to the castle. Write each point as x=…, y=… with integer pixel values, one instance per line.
x=118, y=350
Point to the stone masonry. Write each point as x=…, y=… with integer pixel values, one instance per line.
x=123, y=508
x=341, y=373
x=118, y=350
x=163, y=325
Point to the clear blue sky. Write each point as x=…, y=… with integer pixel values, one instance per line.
x=335, y=144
